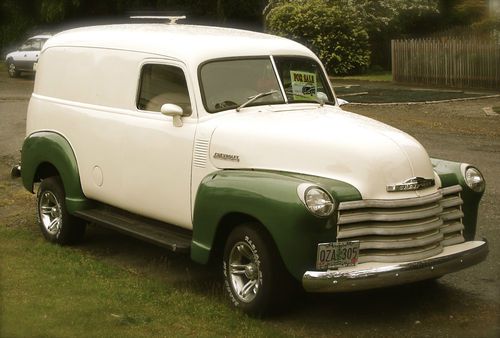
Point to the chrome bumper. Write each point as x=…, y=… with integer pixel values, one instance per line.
x=376, y=275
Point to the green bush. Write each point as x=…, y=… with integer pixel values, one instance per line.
x=336, y=34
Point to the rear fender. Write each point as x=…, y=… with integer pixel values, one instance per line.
x=49, y=149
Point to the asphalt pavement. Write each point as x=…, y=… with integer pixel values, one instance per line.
x=464, y=304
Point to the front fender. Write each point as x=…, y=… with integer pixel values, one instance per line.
x=52, y=148
x=272, y=199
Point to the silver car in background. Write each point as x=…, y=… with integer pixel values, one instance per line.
x=25, y=58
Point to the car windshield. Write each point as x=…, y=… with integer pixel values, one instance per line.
x=33, y=44
x=230, y=83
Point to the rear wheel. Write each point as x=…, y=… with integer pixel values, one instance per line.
x=56, y=224
x=254, y=275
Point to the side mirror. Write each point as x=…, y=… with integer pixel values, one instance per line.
x=322, y=97
x=173, y=110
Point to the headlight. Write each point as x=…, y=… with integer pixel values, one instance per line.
x=316, y=200
x=474, y=179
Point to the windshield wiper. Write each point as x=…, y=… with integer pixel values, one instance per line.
x=256, y=97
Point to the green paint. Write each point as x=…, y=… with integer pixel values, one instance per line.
x=271, y=199
x=450, y=174
x=51, y=148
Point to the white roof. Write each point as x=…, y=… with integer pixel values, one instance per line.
x=190, y=44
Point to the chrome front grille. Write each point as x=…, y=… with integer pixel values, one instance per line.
x=403, y=230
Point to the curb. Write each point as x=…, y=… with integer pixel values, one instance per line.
x=424, y=102
x=14, y=98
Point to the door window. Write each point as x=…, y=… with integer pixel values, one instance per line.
x=162, y=84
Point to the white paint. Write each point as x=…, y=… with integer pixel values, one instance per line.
x=86, y=90
x=323, y=141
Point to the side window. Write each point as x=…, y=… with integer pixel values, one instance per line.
x=37, y=44
x=162, y=84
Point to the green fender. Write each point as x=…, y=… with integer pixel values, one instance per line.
x=42, y=148
x=450, y=174
x=271, y=199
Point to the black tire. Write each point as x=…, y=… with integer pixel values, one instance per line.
x=56, y=224
x=255, y=278
x=12, y=69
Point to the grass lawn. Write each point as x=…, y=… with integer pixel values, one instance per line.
x=51, y=291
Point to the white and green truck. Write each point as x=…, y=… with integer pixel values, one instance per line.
x=230, y=145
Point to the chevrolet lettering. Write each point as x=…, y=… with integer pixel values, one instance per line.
x=230, y=146
x=227, y=157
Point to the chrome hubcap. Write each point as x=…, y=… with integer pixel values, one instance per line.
x=244, y=272
x=50, y=212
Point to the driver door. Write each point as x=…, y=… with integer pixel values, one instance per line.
x=157, y=155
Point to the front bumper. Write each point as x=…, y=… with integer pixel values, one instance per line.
x=376, y=275
x=16, y=171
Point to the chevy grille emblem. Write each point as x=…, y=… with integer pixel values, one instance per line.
x=415, y=183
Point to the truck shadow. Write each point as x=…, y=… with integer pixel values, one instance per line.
x=397, y=307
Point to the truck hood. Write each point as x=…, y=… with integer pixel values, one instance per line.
x=322, y=141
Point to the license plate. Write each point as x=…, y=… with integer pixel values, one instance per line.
x=336, y=255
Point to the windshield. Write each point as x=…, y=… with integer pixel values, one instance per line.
x=230, y=83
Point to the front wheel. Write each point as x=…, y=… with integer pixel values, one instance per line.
x=12, y=69
x=254, y=276
x=56, y=224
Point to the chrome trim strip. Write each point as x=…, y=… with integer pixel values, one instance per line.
x=402, y=255
x=391, y=215
x=454, y=258
x=453, y=239
x=451, y=201
x=451, y=190
x=400, y=242
x=395, y=228
x=451, y=215
x=451, y=227
x=409, y=202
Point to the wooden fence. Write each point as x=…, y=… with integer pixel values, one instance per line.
x=447, y=62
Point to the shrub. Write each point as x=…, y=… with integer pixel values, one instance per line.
x=336, y=34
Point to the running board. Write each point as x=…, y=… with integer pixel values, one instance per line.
x=163, y=234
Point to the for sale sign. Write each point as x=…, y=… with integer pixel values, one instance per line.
x=303, y=85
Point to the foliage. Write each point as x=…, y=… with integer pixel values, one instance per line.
x=333, y=32
x=378, y=16
x=371, y=23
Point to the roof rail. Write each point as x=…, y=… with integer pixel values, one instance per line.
x=171, y=20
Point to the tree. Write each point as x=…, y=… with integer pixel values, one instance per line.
x=335, y=33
